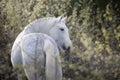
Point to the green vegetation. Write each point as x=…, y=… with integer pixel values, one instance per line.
x=94, y=27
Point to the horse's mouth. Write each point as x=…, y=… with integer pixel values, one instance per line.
x=63, y=49
x=64, y=52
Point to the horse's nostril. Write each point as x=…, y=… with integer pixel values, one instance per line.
x=68, y=48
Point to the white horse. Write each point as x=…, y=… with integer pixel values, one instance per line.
x=40, y=57
x=53, y=27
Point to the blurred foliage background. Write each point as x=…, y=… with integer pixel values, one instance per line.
x=94, y=27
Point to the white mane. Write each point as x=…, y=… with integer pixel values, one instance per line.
x=43, y=19
x=41, y=25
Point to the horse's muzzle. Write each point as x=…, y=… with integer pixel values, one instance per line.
x=68, y=49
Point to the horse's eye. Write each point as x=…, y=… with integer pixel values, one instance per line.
x=61, y=29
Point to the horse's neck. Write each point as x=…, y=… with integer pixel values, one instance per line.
x=40, y=26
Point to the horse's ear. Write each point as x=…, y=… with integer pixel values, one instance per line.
x=64, y=19
x=61, y=18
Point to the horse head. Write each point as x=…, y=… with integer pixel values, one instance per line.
x=59, y=32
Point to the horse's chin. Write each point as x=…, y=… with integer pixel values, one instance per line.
x=63, y=52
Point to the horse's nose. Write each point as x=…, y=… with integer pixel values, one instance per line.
x=66, y=48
